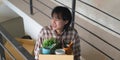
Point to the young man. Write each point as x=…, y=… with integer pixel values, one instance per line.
x=60, y=30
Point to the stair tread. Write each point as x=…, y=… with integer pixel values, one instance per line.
x=26, y=43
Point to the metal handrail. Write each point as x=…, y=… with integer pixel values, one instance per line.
x=31, y=7
x=20, y=49
x=93, y=20
x=99, y=10
x=73, y=12
x=3, y=53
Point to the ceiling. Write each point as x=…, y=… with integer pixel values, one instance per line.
x=6, y=13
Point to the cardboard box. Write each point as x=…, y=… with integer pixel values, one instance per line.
x=55, y=57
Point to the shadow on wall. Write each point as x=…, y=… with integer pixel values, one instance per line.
x=14, y=26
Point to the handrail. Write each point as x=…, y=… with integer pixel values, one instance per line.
x=6, y=50
x=99, y=10
x=2, y=52
x=97, y=48
x=92, y=20
x=15, y=44
x=37, y=9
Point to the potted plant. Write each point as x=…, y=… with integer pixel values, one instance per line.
x=47, y=45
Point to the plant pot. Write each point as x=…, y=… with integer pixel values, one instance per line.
x=45, y=51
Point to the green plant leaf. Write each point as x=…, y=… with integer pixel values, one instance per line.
x=47, y=43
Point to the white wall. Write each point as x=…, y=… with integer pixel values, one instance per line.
x=1, y=2
x=6, y=13
x=32, y=28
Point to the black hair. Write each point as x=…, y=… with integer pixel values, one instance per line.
x=63, y=13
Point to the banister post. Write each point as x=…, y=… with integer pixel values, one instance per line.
x=73, y=11
x=31, y=7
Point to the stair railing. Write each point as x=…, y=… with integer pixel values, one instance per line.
x=20, y=49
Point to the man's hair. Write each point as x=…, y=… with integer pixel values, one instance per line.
x=64, y=14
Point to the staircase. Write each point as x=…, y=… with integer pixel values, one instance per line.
x=28, y=44
x=97, y=41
